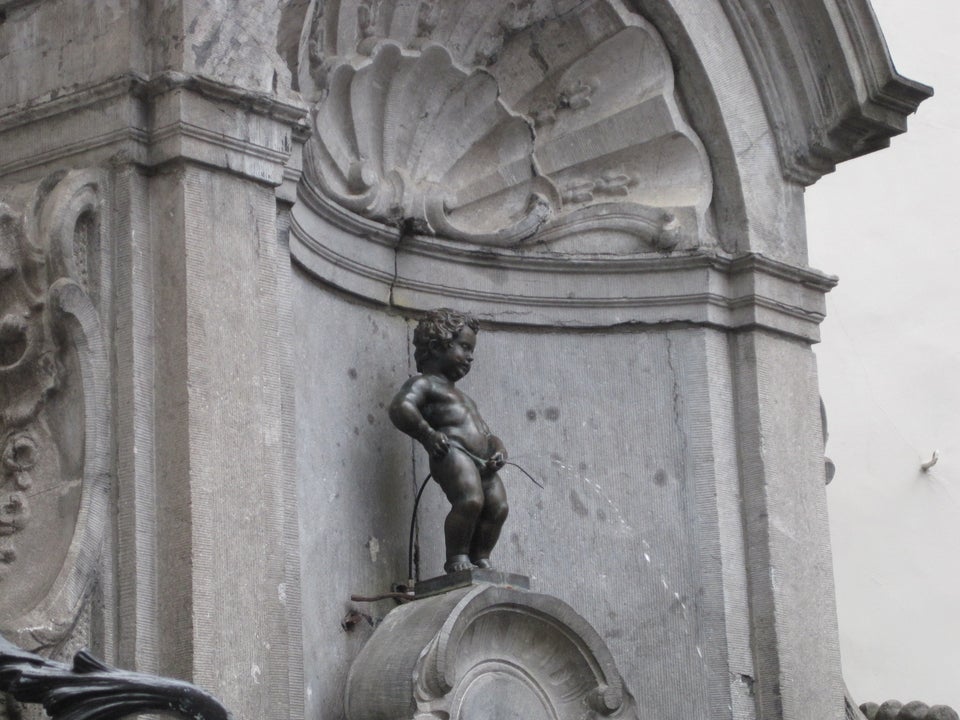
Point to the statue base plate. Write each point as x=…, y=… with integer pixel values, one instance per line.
x=467, y=578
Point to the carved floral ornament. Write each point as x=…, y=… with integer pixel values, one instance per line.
x=500, y=123
x=53, y=450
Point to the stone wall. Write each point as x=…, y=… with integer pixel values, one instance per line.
x=251, y=205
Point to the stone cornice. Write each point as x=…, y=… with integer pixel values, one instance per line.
x=8, y=5
x=291, y=113
x=150, y=87
x=533, y=287
x=154, y=120
x=54, y=104
x=827, y=81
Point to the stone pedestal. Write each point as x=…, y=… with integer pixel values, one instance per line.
x=486, y=651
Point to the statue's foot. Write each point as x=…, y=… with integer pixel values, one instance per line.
x=457, y=563
x=483, y=563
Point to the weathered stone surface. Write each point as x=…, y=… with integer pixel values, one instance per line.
x=490, y=123
x=224, y=508
x=485, y=651
x=48, y=49
x=355, y=492
x=561, y=290
x=664, y=391
x=54, y=428
x=633, y=434
x=193, y=123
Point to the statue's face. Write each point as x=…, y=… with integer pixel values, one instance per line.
x=456, y=358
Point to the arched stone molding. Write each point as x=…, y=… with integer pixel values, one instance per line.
x=803, y=113
x=827, y=80
x=486, y=651
x=388, y=192
x=55, y=420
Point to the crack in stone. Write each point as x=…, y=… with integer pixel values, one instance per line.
x=406, y=227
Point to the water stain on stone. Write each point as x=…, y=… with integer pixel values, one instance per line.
x=552, y=413
x=352, y=372
x=660, y=477
x=578, y=507
x=531, y=415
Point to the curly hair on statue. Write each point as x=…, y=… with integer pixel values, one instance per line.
x=436, y=330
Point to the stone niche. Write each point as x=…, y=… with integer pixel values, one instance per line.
x=616, y=190
x=219, y=222
x=479, y=151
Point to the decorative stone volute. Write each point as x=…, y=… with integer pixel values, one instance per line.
x=54, y=478
x=486, y=651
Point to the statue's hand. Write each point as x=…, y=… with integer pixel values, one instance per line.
x=497, y=461
x=436, y=444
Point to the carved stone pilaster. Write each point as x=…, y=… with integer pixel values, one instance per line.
x=486, y=651
x=54, y=411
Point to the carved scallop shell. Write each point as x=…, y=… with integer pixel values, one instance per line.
x=489, y=122
x=411, y=137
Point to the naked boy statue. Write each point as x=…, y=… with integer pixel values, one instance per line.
x=464, y=455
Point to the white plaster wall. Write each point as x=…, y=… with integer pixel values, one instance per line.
x=887, y=225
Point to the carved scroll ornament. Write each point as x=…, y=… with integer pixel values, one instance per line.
x=486, y=651
x=491, y=122
x=54, y=472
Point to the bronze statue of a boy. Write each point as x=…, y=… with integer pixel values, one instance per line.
x=464, y=455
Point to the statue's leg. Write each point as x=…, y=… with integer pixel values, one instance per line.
x=492, y=517
x=460, y=481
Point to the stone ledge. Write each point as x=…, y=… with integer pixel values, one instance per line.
x=528, y=286
x=155, y=120
x=469, y=578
